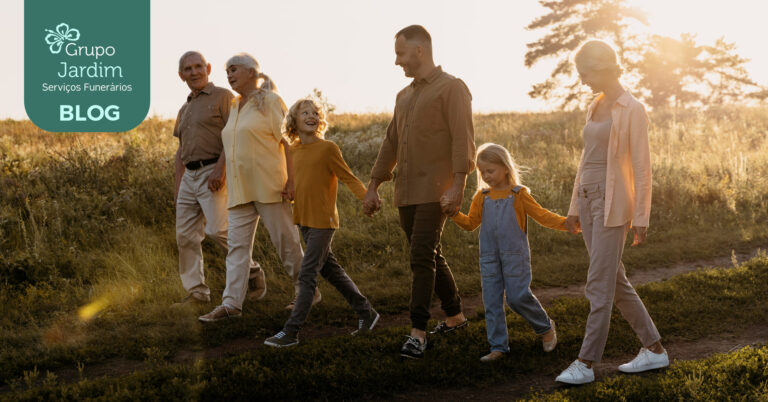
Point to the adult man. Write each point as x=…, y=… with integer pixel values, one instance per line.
x=201, y=194
x=431, y=140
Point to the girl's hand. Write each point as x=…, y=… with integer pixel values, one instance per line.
x=640, y=232
x=572, y=224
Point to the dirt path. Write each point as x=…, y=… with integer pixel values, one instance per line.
x=520, y=387
x=472, y=305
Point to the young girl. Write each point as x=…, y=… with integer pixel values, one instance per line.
x=317, y=165
x=502, y=205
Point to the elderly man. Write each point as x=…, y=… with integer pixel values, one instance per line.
x=201, y=193
x=431, y=140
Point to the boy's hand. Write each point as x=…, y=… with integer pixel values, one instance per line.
x=572, y=224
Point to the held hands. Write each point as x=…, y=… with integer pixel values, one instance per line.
x=450, y=202
x=288, y=191
x=572, y=224
x=216, y=180
x=639, y=234
x=372, y=202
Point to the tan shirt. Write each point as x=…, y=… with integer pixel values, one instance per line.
x=199, y=123
x=430, y=138
x=524, y=206
x=317, y=169
x=628, y=165
x=255, y=156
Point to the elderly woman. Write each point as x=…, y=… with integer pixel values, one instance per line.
x=611, y=194
x=260, y=184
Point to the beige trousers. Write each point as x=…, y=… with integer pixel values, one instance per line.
x=607, y=280
x=199, y=212
x=243, y=219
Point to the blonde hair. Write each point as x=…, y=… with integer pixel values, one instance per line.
x=496, y=154
x=597, y=55
x=290, y=128
x=249, y=62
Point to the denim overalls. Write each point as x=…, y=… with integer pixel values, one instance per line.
x=505, y=265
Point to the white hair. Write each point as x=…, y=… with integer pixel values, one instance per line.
x=245, y=60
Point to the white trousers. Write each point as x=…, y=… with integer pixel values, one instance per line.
x=199, y=212
x=243, y=220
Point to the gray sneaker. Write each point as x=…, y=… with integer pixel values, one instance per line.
x=282, y=340
x=257, y=286
x=365, y=325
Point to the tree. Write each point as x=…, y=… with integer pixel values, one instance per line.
x=662, y=70
x=668, y=70
x=680, y=72
x=571, y=22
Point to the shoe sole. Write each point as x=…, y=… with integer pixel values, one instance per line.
x=201, y=319
x=252, y=297
x=574, y=382
x=634, y=371
x=411, y=356
x=277, y=345
x=450, y=329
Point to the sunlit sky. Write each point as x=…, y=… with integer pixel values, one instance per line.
x=345, y=48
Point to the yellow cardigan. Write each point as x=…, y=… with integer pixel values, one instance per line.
x=524, y=206
x=628, y=171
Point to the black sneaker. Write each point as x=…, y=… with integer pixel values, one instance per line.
x=443, y=328
x=282, y=340
x=413, y=348
x=365, y=325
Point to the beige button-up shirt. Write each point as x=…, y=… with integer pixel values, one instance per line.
x=255, y=157
x=430, y=138
x=199, y=123
x=628, y=171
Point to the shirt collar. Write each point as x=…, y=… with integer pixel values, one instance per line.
x=206, y=90
x=622, y=100
x=430, y=78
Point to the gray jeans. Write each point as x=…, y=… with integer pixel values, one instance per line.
x=318, y=257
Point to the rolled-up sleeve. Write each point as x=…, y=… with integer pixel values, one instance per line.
x=641, y=164
x=459, y=116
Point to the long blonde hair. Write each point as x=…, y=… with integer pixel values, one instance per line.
x=495, y=153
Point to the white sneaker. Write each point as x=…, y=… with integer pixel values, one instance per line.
x=645, y=360
x=576, y=373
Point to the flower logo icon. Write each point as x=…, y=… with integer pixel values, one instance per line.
x=57, y=38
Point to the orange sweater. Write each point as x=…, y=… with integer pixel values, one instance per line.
x=524, y=205
x=316, y=167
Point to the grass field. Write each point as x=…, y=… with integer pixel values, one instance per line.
x=88, y=262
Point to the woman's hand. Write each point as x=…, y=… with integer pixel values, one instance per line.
x=572, y=224
x=640, y=232
x=288, y=191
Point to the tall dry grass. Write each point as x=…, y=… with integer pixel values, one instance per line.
x=88, y=220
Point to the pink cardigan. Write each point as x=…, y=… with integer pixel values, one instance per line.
x=628, y=175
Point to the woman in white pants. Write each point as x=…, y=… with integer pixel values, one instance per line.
x=260, y=184
x=611, y=194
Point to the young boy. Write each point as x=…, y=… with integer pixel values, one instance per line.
x=317, y=164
